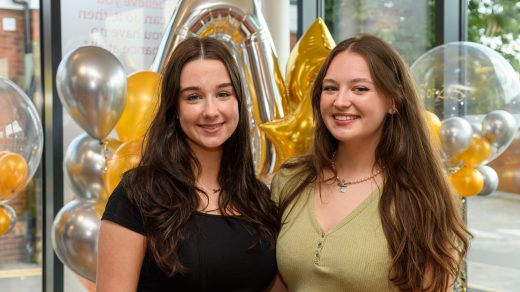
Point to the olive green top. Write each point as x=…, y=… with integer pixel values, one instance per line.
x=351, y=256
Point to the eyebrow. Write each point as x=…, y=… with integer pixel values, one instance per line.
x=222, y=85
x=355, y=80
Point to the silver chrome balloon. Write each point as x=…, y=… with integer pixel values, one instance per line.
x=456, y=134
x=84, y=165
x=75, y=236
x=490, y=180
x=499, y=127
x=241, y=26
x=91, y=84
x=12, y=216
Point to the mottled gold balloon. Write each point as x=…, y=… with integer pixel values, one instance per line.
x=292, y=135
x=305, y=61
x=7, y=218
x=478, y=151
x=126, y=157
x=467, y=181
x=434, y=126
x=142, y=102
x=13, y=174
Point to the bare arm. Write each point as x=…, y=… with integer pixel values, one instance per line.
x=120, y=256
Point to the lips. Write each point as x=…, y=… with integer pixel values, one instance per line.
x=345, y=117
x=211, y=128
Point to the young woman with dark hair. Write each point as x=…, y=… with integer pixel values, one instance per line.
x=192, y=216
x=370, y=209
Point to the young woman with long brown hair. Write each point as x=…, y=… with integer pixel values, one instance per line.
x=192, y=216
x=370, y=209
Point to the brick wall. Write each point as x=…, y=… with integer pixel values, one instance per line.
x=12, y=44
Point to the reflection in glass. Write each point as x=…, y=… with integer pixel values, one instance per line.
x=408, y=25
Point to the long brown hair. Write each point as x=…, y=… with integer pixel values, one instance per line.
x=163, y=186
x=419, y=211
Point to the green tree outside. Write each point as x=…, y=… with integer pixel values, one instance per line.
x=496, y=24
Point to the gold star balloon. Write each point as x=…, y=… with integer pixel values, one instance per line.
x=292, y=135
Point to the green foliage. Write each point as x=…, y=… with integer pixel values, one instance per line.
x=496, y=24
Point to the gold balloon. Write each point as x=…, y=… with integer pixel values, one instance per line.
x=305, y=61
x=292, y=135
x=434, y=125
x=126, y=157
x=478, y=151
x=467, y=181
x=5, y=221
x=13, y=174
x=142, y=102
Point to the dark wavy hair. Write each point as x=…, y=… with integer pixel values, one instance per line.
x=420, y=215
x=163, y=185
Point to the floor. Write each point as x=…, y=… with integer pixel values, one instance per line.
x=494, y=256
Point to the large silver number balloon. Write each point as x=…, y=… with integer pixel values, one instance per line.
x=499, y=127
x=75, y=236
x=84, y=164
x=91, y=84
x=240, y=25
x=456, y=134
x=490, y=180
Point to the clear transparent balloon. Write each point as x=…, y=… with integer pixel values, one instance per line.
x=466, y=79
x=20, y=126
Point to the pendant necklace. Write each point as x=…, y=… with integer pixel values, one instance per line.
x=215, y=191
x=342, y=184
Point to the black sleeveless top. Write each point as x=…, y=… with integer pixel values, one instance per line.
x=222, y=253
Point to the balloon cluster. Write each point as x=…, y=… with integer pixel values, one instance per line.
x=98, y=95
x=466, y=149
x=478, y=92
x=21, y=144
x=91, y=84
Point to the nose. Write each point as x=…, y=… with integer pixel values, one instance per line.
x=343, y=99
x=210, y=110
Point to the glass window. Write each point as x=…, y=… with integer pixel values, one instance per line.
x=494, y=258
x=131, y=31
x=21, y=248
x=408, y=25
x=495, y=23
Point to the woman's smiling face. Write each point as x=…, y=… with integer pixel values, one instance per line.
x=351, y=106
x=208, y=107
